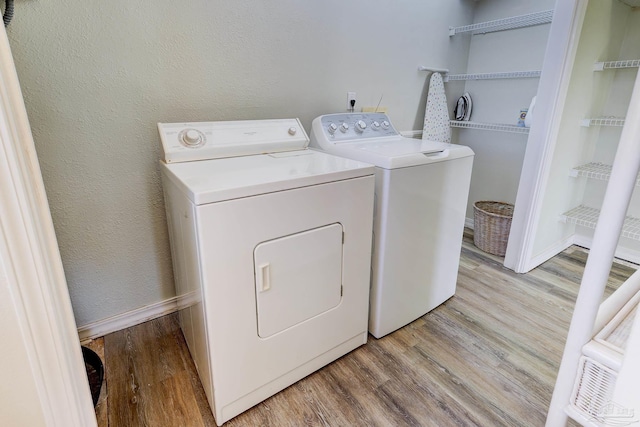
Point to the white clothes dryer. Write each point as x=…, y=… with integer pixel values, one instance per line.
x=421, y=200
x=271, y=254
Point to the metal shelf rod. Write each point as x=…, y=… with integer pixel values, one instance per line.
x=529, y=20
x=433, y=69
x=493, y=76
x=610, y=65
x=489, y=126
x=603, y=121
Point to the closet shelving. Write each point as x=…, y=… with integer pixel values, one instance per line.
x=586, y=216
x=513, y=22
x=594, y=170
x=493, y=76
x=612, y=65
x=603, y=121
x=509, y=23
x=489, y=126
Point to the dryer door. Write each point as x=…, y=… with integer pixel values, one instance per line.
x=297, y=277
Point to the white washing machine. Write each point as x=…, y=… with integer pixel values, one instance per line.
x=271, y=254
x=421, y=200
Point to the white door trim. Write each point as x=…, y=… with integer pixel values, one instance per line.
x=554, y=84
x=33, y=268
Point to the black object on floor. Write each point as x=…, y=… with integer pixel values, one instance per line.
x=95, y=372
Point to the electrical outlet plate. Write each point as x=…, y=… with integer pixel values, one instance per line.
x=350, y=96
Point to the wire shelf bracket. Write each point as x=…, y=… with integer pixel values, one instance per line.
x=493, y=76
x=489, y=126
x=521, y=21
x=588, y=217
x=611, y=65
x=603, y=121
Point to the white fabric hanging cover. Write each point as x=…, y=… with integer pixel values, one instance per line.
x=436, y=117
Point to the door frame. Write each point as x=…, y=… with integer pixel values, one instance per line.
x=32, y=267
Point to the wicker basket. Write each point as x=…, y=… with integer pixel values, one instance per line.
x=491, y=225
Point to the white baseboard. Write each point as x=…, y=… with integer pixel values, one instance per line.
x=622, y=253
x=125, y=320
x=468, y=222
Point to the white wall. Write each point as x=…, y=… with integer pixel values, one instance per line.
x=499, y=156
x=97, y=76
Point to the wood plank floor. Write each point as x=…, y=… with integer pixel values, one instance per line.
x=487, y=357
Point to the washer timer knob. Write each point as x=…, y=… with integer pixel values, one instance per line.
x=375, y=125
x=292, y=131
x=191, y=138
x=385, y=124
x=361, y=126
x=332, y=128
x=344, y=127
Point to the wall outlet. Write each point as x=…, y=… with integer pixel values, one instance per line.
x=375, y=110
x=351, y=96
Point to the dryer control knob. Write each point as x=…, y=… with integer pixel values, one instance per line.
x=385, y=124
x=375, y=125
x=332, y=128
x=360, y=126
x=344, y=127
x=292, y=131
x=191, y=138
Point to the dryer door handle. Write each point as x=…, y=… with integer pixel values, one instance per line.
x=263, y=277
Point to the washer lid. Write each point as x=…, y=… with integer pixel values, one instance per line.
x=400, y=152
x=183, y=142
x=209, y=181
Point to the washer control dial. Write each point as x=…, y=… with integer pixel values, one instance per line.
x=192, y=138
x=385, y=124
x=360, y=126
x=292, y=131
x=375, y=125
x=332, y=128
x=344, y=127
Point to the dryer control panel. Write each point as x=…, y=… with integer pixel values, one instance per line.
x=183, y=142
x=356, y=126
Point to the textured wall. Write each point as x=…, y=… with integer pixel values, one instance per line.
x=98, y=75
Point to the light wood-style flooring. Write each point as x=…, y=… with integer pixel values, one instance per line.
x=487, y=357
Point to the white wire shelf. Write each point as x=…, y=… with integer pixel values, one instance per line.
x=603, y=121
x=489, y=126
x=513, y=22
x=594, y=170
x=588, y=217
x=492, y=76
x=611, y=65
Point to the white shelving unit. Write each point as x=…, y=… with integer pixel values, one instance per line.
x=586, y=216
x=489, y=126
x=493, y=76
x=603, y=121
x=521, y=21
x=612, y=65
x=510, y=23
x=594, y=170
